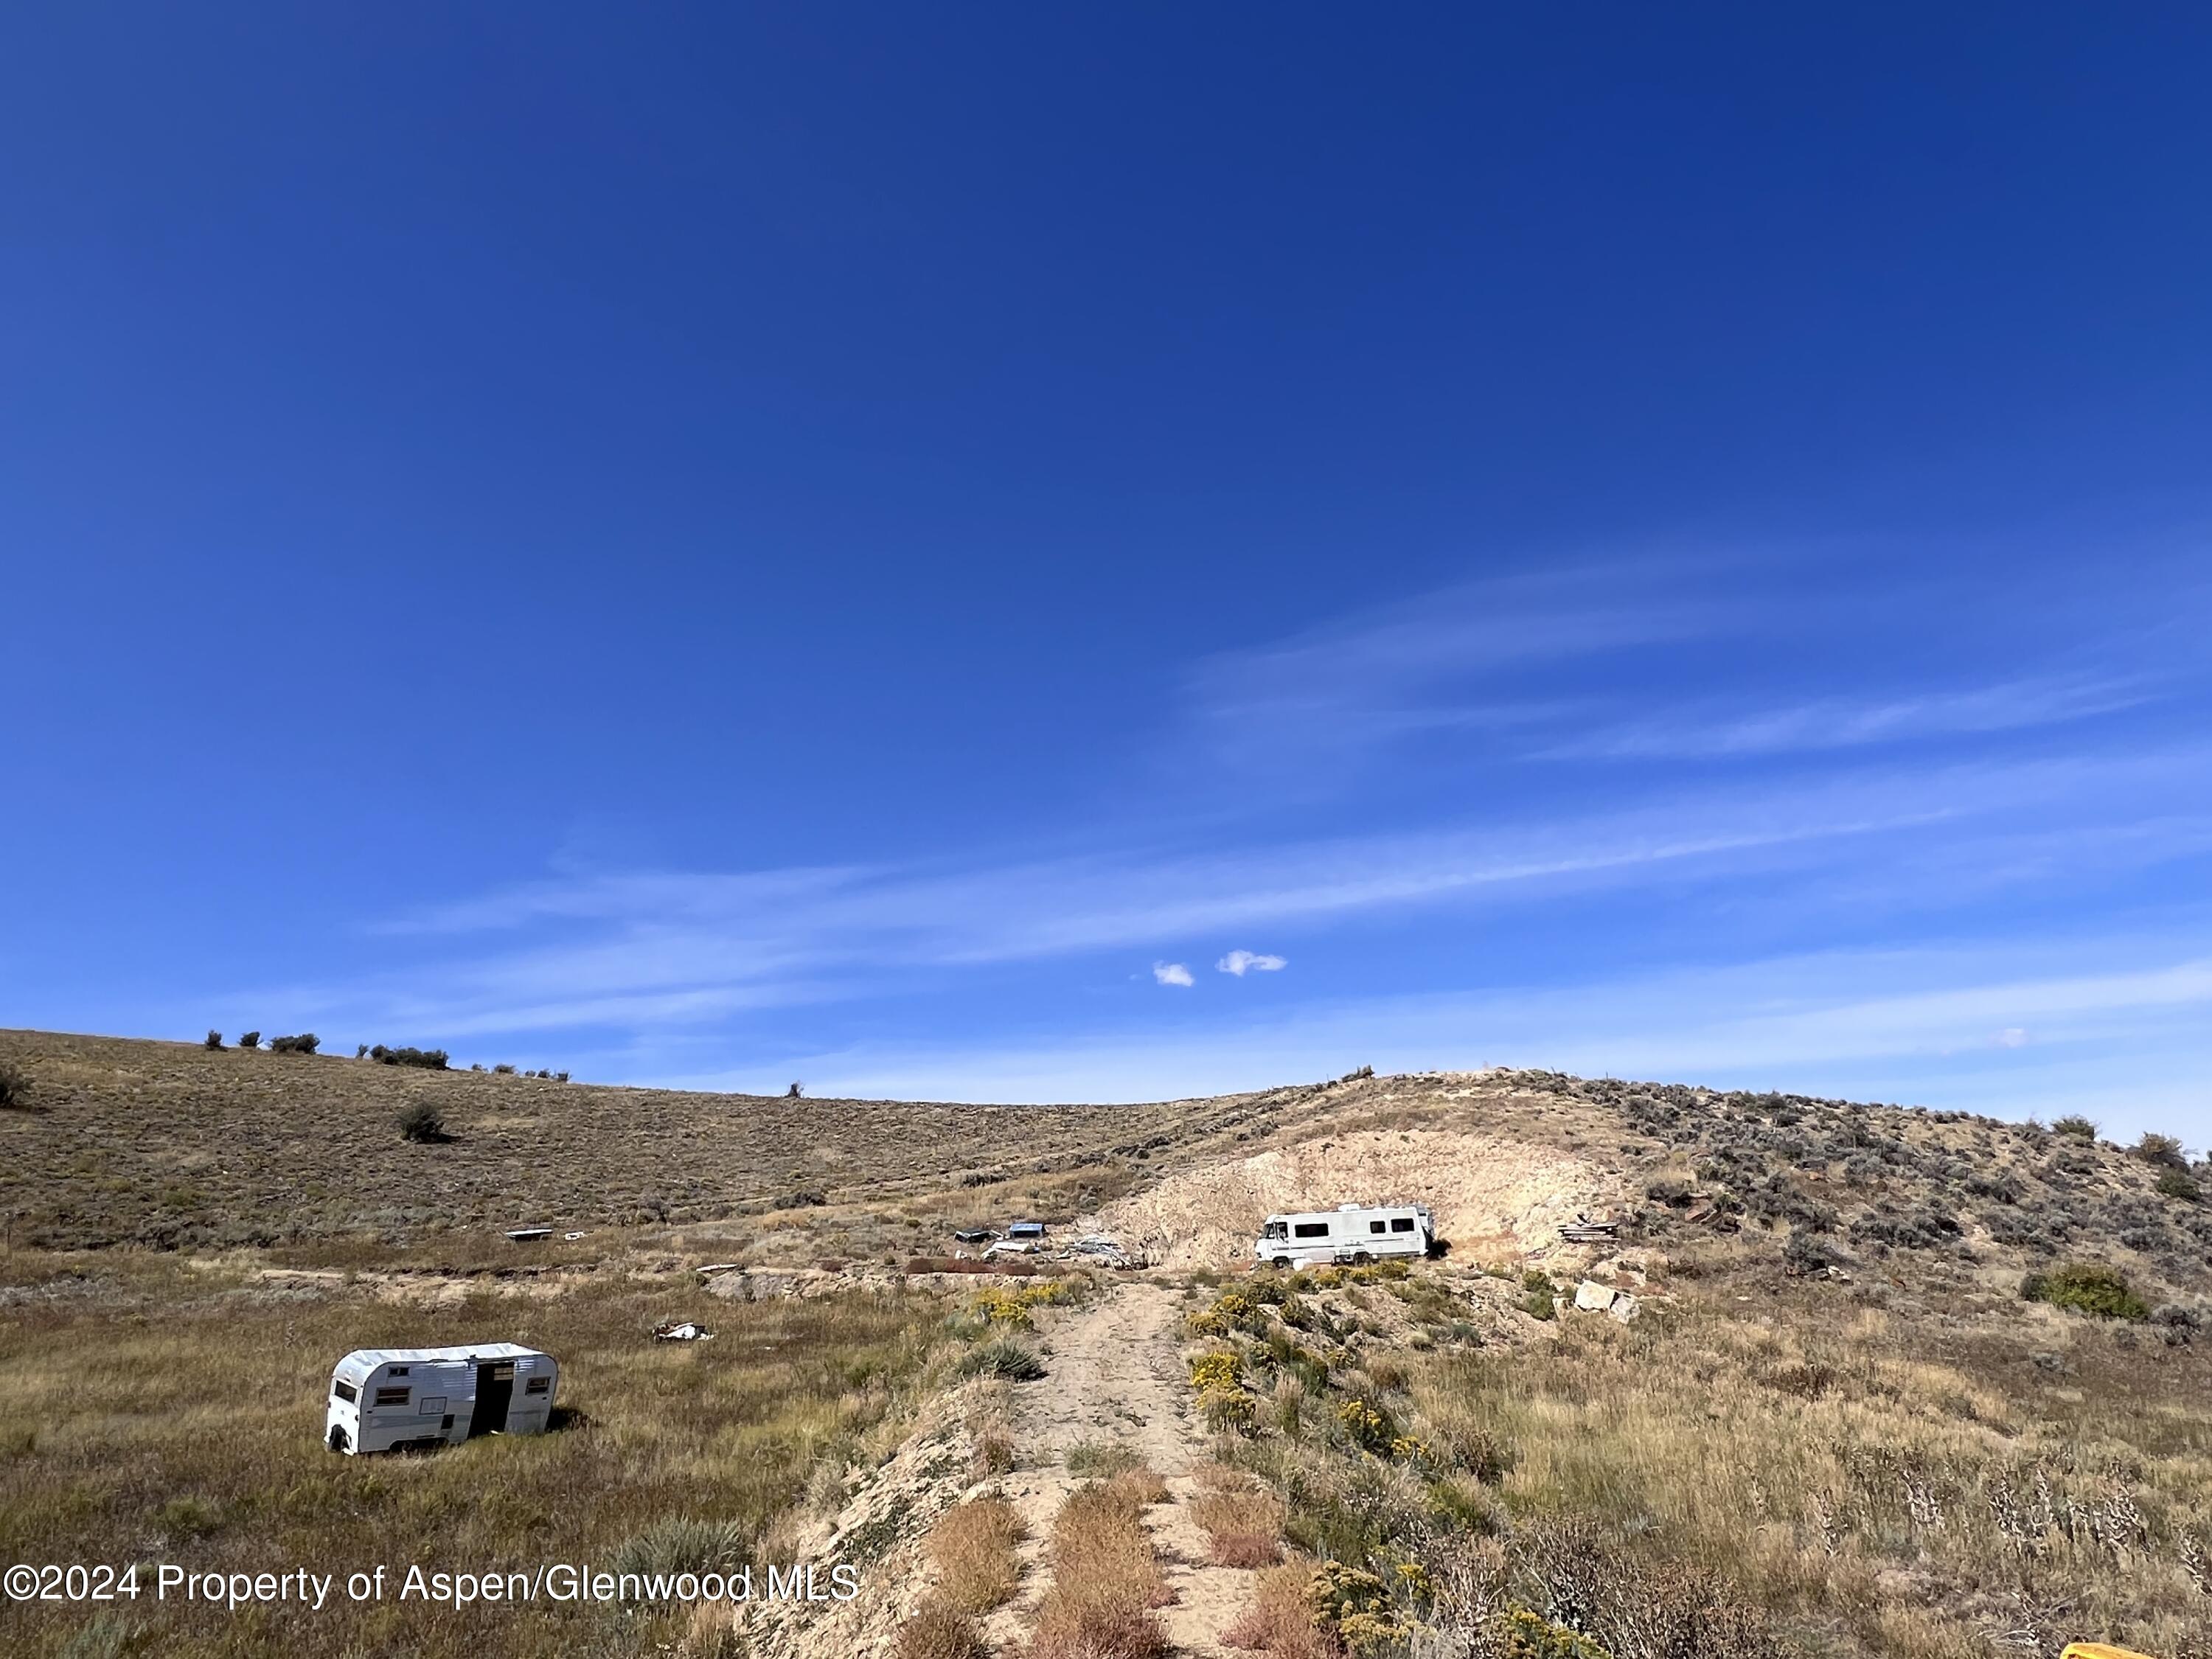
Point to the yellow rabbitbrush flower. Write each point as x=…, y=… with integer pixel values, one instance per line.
x=1365, y=1425
x=1231, y=1310
x=1011, y=1307
x=1529, y=1637
x=1217, y=1371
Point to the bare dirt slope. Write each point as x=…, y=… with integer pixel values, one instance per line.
x=1492, y=1195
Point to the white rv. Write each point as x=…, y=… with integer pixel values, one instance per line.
x=387, y=1399
x=1350, y=1233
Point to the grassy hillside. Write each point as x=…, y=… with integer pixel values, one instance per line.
x=1901, y=1381
x=174, y=1146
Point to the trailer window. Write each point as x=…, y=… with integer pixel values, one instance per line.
x=1402, y=1223
x=1374, y=1227
x=1310, y=1230
x=390, y=1397
x=537, y=1385
x=344, y=1391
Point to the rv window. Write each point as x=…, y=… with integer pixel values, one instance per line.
x=344, y=1391
x=537, y=1385
x=1311, y=1229
x=397, y=1370
x=1374, y=1226
x=390, y=1397
x=1402, y=1223
x=1274, y=1230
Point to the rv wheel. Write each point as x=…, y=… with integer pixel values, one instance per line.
x=1281, y=1264
x=1361, y=1258
x=338, y=1440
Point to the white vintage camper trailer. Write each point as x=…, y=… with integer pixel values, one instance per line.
x=1353, y=1233
x=387, y=1399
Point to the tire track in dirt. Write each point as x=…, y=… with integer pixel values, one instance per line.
x=1115, y=1377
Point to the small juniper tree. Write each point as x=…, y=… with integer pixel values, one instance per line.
x=251, y=1040
x=214, y=1040
x=2164, y=1151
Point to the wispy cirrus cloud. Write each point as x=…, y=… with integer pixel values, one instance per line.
x=1850, y=723
x=670, y=949
x=1486, y=761
x=1710, y=657
x=1454, y=661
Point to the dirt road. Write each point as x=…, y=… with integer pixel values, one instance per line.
x=1116, y=1379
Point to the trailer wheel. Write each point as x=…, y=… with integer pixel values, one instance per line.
x=339, y=1441
x=1361, y=1258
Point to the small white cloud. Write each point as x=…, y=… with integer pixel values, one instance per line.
x=1241, y=963
x=2013, y=1036
x=1172, y=973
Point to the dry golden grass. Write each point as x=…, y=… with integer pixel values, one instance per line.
x=973, y=1546
x=1807, y=1467
x=153, y=1411
x=1105, y=1578
x=1741, y=1479
x=1913, y=1464
x=172, y=1146
x=1278, y=1620
x=1243, y=1521
x=938, y=1629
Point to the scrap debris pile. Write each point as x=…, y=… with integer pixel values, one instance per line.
x=1027, y=1239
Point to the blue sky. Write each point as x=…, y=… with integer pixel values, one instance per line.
x=884, y=546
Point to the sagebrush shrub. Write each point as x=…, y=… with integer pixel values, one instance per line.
x=431, y=1059
x=421, y=1122
x=15, y=1088
x=2089, y=1286
x=2179, y=1183
x=2076, y=1125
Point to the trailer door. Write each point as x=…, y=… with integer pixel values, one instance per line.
x=494, y=1393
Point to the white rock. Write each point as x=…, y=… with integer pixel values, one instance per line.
x=1593, y=1297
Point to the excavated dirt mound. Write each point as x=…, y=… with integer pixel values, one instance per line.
x=1494, y=1198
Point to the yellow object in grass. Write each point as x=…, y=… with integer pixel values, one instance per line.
x=1215, y=1372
